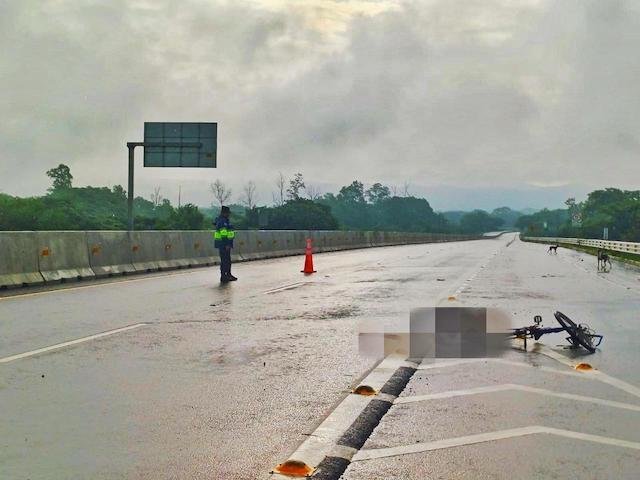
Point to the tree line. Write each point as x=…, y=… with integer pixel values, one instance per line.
x=65, y=207
x=616, y=210
x=295, y=205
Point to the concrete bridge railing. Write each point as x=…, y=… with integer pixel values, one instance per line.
x=31, y=258
x=627, y=247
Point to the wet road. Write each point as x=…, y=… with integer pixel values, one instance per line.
x=529, y=415
x=218, y=381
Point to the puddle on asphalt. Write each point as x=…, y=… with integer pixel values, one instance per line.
x=333, y=313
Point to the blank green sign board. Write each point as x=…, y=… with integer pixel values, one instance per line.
x=167, y=152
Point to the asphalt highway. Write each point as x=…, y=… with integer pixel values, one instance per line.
x=176, y=376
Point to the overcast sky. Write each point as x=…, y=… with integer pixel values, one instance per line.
x=475, y=103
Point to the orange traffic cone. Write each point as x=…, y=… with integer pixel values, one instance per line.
x=308, y=258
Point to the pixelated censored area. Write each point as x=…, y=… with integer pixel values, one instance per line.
x=440, y=332
x=205, y=134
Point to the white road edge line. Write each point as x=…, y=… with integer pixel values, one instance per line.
x=488, y=437
x=69, y=343
x=515, y=387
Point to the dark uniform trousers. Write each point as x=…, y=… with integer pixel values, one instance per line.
x=225, y=261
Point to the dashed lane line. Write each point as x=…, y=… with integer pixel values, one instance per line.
x=70, y=343
x=375, y=453
x=473, y=273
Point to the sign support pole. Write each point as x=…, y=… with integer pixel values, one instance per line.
x=131, y=146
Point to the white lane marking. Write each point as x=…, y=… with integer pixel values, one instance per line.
x=343, y=451
x=69, y=343
x=488, y=437
x=322, y=441
x=100, y=283
x=472, y=274
x=616, y=382
x=286, y=287
x=597, y=374
x=589, y=374
x=515, y=387
x=429, y=366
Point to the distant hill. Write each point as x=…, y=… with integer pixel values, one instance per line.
x=529, y=211
x=506, y=214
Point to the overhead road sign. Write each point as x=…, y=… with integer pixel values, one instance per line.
x=174, y=144
x=187, y=144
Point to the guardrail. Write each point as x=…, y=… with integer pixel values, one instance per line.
x=31, y=258
x=626, y=247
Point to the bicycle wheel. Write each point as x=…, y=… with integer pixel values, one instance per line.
x=578, y=335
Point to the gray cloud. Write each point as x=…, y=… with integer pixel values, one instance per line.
x=485, y=95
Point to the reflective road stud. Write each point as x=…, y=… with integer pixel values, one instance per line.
x=293, y=468
x=364, y=390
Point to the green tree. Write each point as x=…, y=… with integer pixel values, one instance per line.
x=353, y=193
x=186, y=217
x=508, y=216
x=301, y=214
x=550, y=223
x=617, y=210
x=296, y=186
x=377, y=192
x=407, y=214
x=61, y=176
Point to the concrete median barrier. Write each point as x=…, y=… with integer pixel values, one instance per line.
x=33, y=257
x=241, y=245
x=19, y=260
x=247, y=244
x=319, y=239
x=300, y=241
x=109, y=253
x=63, y=256
x=200, y=248
x=285, y=243
x=147, y=250
x=270, y=243
x=176, y=246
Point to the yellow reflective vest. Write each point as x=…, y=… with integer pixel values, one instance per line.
x=224, y=233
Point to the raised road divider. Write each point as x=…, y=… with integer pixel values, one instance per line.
x=31, y=258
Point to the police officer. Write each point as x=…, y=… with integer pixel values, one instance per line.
x=223, y=241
